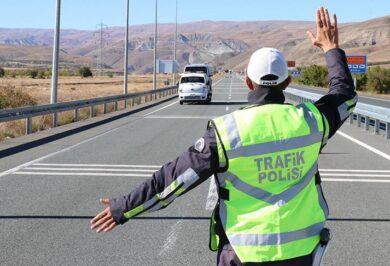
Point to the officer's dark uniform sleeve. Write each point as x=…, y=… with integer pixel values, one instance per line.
x=174, y=179
x=338, y=104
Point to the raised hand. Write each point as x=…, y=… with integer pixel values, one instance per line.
x=327, y=35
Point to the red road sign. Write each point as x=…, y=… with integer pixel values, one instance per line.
x=356, y=59
x=291, y=63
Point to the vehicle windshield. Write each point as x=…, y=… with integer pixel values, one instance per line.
x=192, y=80
x=194, y=69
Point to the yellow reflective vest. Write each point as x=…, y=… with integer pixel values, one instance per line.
x=273, y=209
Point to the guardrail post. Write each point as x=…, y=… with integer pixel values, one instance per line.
x=92, y=111
x=388, y=130
x=55, y=119
x=376, y=126
x=29, y=125
x=367, y=122
x=359, y=120
x=116, y=106
x=105, y=108
x=132, y=102
x=125, y=104
x=76, y=115
x=351, y=119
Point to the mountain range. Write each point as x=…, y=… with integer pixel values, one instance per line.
x=223, y=44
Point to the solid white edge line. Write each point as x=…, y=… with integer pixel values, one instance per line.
x=19, y=167
x=354, y=171
x=162, y=108
x=78, y=174
x=98, y=165
x=368, y=147
x=89, y=169
x=362, y=175
x=355, y=180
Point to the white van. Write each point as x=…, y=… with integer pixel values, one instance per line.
x=194, y=87
x=200, y=68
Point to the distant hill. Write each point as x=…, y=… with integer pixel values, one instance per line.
x=224, y=44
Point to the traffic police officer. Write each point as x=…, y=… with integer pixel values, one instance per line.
x=271, y=210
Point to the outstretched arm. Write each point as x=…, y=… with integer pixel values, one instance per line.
x=338, y=104
x=174, y=179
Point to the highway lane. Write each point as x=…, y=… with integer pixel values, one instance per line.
x=45, y=206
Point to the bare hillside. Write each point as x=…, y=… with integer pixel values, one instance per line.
x=224, y=44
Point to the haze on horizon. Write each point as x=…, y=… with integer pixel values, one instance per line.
x=86, y=14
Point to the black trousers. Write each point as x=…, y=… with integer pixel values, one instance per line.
x=227, y=257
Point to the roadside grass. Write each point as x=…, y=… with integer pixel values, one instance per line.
x=19, y=92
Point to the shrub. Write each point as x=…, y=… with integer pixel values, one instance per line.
x=33, y=73
x=378, y=80
x=2, y=72
x=314, y=75
x=10, y=97
x=85, y=72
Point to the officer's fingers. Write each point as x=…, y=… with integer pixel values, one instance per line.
x=110, y=227
x=327, y=19
x=100, y=223
x=98, y=217
x=322, y=15
x=105, y=225
x=319, y=22
x=335, y=22
x=105, y=201
x=311, y=36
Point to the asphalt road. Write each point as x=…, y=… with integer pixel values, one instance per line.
x=373, y=100
x=48, y=194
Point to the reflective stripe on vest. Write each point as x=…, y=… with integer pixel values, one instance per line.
x=263, y=195
x=170, y=193
x=275, y=239
x=264, y=147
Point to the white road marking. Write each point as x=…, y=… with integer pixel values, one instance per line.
x=346, y=174
x=178, y=117
x=19, y=167
x=355, y=180
x=79, y=174
x=354, y=171
x=90, y=169
x=368, y=147
x=162, y=108
x=172, y=238
x=98, y=165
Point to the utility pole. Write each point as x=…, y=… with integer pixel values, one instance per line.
x=125, y=80
x=101, y=39
x=155, y=50
x=174, y=51
x=56, y=53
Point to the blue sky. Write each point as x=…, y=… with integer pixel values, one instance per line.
x=86, y=14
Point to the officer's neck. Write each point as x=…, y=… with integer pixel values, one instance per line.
x=266, y=96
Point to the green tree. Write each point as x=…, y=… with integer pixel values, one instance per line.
x=361, y=82
x=2, y=72
x=85, y=72
x=378, y=80
x=33, y=73
x=314, y=75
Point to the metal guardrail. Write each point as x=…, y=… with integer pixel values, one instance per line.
x=369, y=115
x=29, y=112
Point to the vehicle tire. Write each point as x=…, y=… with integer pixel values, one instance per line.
x=181, y=102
